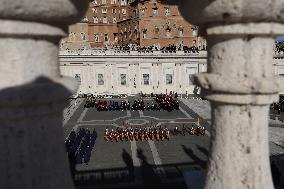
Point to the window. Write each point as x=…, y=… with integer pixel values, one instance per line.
x=194, y=31
x=191, y=71
x=125, y=35
x=156, y=30
x=113, y=11
x=97, y=38
x=123, y=79
x=115, y=36
x=168, y=32
x=106, y=37
x=155, y=11
x=190, y=79
x=167, y=11
x=104, y=10
x=78, y=78
x=180, y=31
x=101, y=79
x=169, y=79
x=94, y=10
x=142, y=12
x=104, y=2
x=105, y=20
x=113, y=1
x=146, y=79
x=123, y=11
x=144, y=34
x=96, y=20
x=83, y=36
x=85, y=19
x=123, y=2
x=114, y=20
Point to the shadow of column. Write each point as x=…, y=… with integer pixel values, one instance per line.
x=196, y=159
x=150, y=178
x=31, y=136
x=129, y=163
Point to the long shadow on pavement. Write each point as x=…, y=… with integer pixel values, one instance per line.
x=195, y=158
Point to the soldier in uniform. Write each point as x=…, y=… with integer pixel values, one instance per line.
x=106, y=135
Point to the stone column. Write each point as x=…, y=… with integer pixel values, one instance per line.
x=32, y=93
x=240, y=85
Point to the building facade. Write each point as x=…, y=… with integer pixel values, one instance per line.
x=78, y=37
x=162, y=25
x=144, y=23
x=118, y=72
x=109, y=72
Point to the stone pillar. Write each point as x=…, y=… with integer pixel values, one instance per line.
x=32, y=93
x=240, y=85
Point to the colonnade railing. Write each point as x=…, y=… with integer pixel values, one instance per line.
x=111, y=52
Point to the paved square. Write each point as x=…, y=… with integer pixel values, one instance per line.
x=138, y=163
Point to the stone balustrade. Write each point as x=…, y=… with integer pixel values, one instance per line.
x=240, y=85
x=33, y=94
x=97, y=52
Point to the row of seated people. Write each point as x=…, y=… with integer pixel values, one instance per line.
x=79, y=145
x=167, y=102
x=102, y=105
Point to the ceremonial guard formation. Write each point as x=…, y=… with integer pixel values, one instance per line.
x=79, y=145
x=149, y=133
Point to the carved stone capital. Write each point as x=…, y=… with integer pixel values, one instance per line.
x=220, y=12
x=48, y=11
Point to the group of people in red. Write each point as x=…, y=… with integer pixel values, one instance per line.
x=156, y=133
x=142, y=134
x=167, y=102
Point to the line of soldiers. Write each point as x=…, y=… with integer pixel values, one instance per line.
x=79, y=145
x=149, y=133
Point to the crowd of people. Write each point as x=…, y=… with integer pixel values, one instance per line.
x=278, y=107
x=79, y=145
x=170, y=47
x=167, y=102
x=156, y=133
x=162, y=102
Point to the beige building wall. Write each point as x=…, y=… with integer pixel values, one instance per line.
x=77, y=38
x=110, y=73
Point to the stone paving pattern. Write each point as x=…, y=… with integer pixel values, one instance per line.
x=109, y=163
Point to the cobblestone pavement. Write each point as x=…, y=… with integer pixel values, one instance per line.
x=158, y=164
